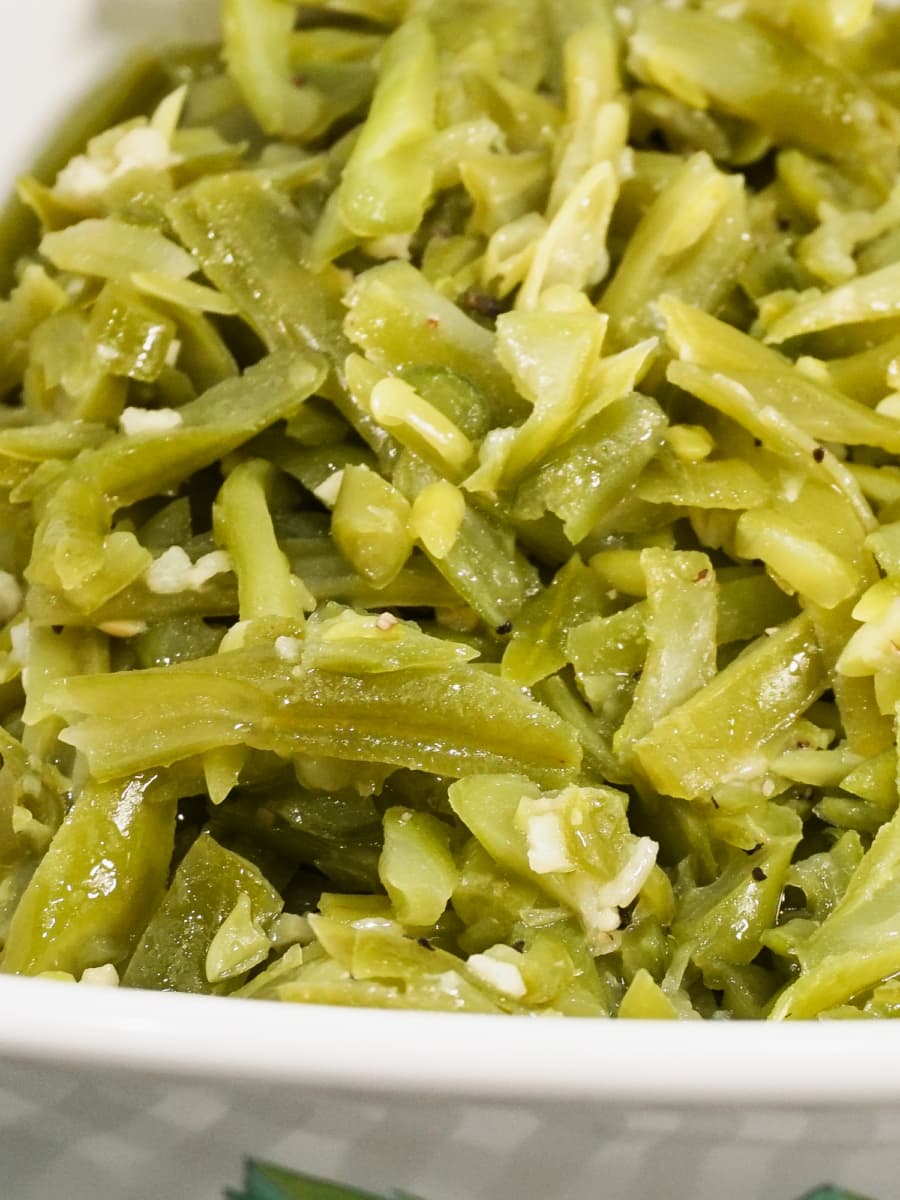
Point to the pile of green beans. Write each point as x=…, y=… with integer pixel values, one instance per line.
x=450, y=540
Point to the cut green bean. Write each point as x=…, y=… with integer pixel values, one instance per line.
x=98, y=884
x=763, y=76
x=211, y=926
x=723, y=732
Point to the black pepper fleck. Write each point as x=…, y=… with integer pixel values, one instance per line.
x=758, y=874
x=818, y=454
x=485, y=306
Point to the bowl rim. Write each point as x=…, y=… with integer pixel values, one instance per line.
x=523, y=1059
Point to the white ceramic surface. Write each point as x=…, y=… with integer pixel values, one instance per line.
x=53, y=51
x=127, y=1096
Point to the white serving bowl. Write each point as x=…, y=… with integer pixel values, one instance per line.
x=134, y=1096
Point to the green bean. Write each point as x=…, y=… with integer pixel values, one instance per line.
x=482, y=562
x=536, y=647
x=763, y=76
x=723, y=731
x=243, y=523
x=381, y=717
x=680, y=626
x=370, y=525
x=388, y=301
x=386, y=183
x=416, y=866
x=852, y=948
x=696, y=257
x=98, y=884
x=595, y=467
x=114, y=249
x=183, y=947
